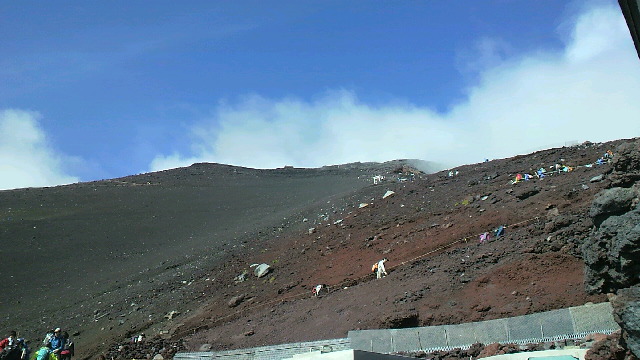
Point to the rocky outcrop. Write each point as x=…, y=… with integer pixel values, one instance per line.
x=610, y=347
x=612, y=252
x=616, y=201
x=626, y=164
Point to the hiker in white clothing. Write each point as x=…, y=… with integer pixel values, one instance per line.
x=316, y=289
x=378, y=268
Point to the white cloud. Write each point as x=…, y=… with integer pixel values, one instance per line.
x=587, y=91
x=26, y=160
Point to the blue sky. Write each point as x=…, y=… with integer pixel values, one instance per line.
x=95, y=90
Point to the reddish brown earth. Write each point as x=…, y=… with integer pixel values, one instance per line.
x=137, y=248
x=534, y=267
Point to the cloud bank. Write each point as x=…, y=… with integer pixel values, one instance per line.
x=542, y=99
x=26, y=159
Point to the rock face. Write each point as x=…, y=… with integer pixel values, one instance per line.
x=626, y=306
x=626, y=164
x=612, y=253
x=616, y=201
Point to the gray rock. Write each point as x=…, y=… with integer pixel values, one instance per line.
x=612, y=253
x=236, y=300
x=627, y=157
x=205, y=347
x=626, y=312
x=609, y=202
x=597, y=178
x=626, y=164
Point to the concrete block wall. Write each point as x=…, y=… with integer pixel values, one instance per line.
x=551, y=325
x=275, y=352
x=560, y=324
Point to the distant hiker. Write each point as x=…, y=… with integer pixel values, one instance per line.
x=379, y=269
x=8, y=341
x=527, y=177
x=25, y=352
x=138, y=339
x=56, y=341
x=484, y=237
x=450, y=173
x=558, y=167
x=600, y=161
x=377, y=179
x=608, y=155
x=316, y=289
x=541, y=172
x=499, y=231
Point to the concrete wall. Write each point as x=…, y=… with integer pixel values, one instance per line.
x=546, y=326
x=560, y=324
x=275, y=352
x=347, y=355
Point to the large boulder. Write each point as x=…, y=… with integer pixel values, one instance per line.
x=612, y=253
x=616, y=201
x=626, y=164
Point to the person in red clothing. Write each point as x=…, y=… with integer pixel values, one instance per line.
x=10, y=341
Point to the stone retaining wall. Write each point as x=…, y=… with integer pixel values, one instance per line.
x=574, y=322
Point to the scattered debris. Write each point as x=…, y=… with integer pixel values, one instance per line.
x=172, y=314
x=242, y=277
x=388, y=193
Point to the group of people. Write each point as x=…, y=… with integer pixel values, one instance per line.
x=14, y=348
x=55, y=346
